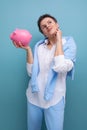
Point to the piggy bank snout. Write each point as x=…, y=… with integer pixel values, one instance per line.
x=12, y=35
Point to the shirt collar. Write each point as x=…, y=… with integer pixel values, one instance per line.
x=46, y=41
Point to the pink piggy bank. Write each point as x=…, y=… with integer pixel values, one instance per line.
x=21, y=35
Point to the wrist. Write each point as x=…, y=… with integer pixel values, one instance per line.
x=59, y=43
x=28, y=49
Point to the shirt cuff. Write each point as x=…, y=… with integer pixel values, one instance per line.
x=59, y=59
x=29, y=65
x=29, y=68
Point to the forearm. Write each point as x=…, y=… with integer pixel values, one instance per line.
x=59, y=49
x=29, y=56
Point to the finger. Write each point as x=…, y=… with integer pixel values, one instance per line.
x=15, y=44
x=20, y=44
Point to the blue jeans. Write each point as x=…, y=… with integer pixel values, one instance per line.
x=53, y=115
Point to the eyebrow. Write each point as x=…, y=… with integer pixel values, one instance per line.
x=47, y=21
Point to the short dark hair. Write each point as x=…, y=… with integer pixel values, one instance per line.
x=42, y=17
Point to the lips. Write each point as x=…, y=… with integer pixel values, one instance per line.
x=49, y=29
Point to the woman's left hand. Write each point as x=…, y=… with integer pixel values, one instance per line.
x=58, y=36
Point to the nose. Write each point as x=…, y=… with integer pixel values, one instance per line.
x=47, y=26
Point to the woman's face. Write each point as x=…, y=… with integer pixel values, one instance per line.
x=49, y=26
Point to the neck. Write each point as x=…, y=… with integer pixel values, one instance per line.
x=51, y=41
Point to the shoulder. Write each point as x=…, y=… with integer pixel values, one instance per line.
x=41, y=41
x=69, y=40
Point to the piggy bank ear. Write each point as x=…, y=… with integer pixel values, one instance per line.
x=14, y=33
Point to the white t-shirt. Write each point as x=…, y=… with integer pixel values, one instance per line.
x=62, y=66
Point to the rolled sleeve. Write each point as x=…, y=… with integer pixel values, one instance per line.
x=62, y=65
x=29, y=69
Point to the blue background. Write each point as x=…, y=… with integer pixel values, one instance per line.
x=72, y=18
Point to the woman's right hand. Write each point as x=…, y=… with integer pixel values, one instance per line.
x=28, y=50
x=19, y=45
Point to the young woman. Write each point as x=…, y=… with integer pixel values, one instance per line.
x=53, y=61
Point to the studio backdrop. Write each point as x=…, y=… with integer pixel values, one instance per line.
x=72, y=18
